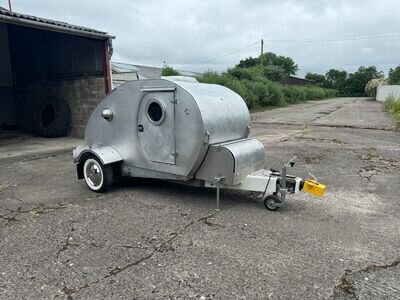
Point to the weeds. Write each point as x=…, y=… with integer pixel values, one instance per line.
x=392, y=105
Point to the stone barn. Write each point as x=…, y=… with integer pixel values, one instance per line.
x=52, y=74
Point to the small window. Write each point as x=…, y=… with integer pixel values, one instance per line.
x=155, y=112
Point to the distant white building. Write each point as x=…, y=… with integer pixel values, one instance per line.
x=385, y=91
x=123, y=72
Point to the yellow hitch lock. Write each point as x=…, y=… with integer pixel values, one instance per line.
x=314, y=188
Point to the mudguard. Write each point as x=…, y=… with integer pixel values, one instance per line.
x=106, y=155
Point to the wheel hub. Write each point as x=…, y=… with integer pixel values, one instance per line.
x=94, y=174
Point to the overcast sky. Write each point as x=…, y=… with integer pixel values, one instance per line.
x=199, y=35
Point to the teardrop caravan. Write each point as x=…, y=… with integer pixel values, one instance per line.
x=180, y=130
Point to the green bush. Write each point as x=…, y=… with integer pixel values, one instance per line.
x=168, y=71
x=257, y=91
x=263, y=93
x=294, y=94
x=245, y=73
x=315, y=93
x=212, y=77
x=240, y=73
x=275, y=94
x=331, y=93
x=392, y=105
x=239, y=87
x=274, y=73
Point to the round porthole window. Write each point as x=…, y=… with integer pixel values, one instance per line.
x=155, y=112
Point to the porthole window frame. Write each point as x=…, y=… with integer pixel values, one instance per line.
x=163, y=111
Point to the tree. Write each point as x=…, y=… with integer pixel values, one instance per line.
x=168, y=71
x=356, y=82
x=274, y=73
x=245, y=73
x=336, y=79
x=394, y=75
x=248, y=62
x=287, y=64
x=318, y=78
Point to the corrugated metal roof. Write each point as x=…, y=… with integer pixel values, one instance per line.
x=289, y=79
x=123, y=68
x=189, y=73
x=123, y=72
x=31, y=21
x=148, y=72
x=144, y=72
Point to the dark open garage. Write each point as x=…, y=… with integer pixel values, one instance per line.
x=52, y=75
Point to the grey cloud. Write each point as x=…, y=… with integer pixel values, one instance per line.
x=187, y=33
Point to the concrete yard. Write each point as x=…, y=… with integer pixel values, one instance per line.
x=148, y=239
x=15, y=146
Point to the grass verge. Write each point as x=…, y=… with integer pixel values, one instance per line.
x=392, y=105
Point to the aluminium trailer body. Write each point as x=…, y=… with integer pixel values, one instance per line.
x=179, y=130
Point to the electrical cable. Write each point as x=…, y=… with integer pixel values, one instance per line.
x=355, y=38
x=265, y=191
x=231, y=52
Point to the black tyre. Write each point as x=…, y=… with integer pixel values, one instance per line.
x=54, y=118
x=269, y=202
x=97, y=176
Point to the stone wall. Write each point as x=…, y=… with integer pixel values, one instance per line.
x=82, y=95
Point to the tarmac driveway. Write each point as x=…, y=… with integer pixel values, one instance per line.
x=148, y=239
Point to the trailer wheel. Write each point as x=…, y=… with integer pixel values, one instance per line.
x=97, y=176
x=269, y=202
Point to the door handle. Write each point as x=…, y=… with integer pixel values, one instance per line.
x=140, y=128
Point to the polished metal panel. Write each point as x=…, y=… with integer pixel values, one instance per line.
x=106, y=154
x=77, y=152
x=232, y=161
x=157, y=137
x=224, y=113
x=249, y=157
x=219, y=163
x=146, y=173
x=204, y=114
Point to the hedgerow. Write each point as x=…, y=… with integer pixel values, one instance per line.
x=258, y=91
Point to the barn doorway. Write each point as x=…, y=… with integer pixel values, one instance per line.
x=52, y=75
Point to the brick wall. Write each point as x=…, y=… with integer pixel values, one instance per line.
x=82, y=95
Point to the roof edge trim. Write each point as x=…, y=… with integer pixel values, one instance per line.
x=55, y=28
